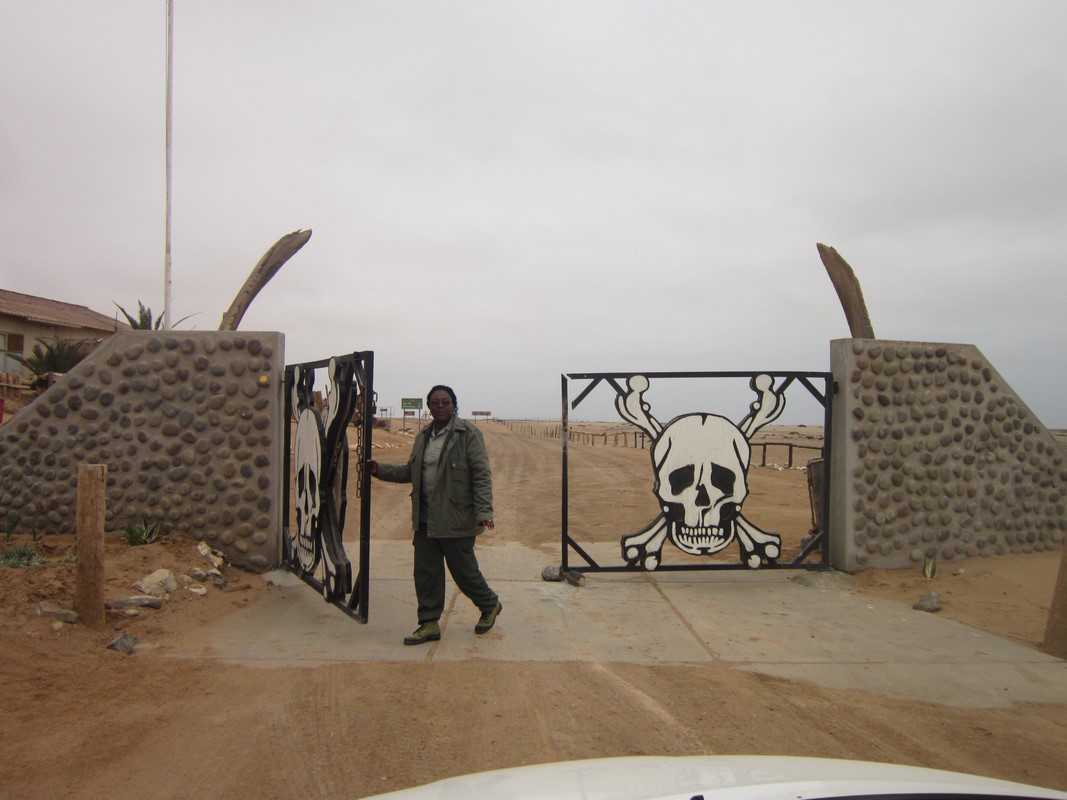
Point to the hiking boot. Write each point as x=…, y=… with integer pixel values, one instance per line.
x=488, y=618
x=426, y=632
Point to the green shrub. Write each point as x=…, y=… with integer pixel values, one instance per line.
x=21, y=555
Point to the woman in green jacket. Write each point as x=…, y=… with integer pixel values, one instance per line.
x=451, y=503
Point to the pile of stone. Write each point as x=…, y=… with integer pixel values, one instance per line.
x=154, y=589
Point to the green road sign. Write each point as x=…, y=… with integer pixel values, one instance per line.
x=411, y=403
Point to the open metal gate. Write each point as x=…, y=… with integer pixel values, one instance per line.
x=700, y=460
x=326, y=420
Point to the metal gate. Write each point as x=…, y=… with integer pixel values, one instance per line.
x=316, y=474
x=700, y=463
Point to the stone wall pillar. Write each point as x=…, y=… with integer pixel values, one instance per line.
x=935, y=456
x=190, y=426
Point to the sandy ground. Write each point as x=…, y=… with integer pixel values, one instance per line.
x=84, y=721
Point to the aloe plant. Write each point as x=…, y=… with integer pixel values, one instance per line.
x=144, y=320
x=930, y=567
x=145, y=533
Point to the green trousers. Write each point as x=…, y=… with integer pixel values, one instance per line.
x=431, y=556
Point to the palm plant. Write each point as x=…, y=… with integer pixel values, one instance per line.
x=59, y=356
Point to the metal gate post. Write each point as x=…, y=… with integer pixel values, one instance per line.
x=361, y=595
x=564, y=440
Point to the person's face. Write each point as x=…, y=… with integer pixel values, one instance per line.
x=441, y=408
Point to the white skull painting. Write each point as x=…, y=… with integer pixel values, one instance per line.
x=700, y=462
x=307, y=458
x=320, y=445
x=701, y=466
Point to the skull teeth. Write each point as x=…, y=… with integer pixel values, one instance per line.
x=701, y=538
x=701, y=533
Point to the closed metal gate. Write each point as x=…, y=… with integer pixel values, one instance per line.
x=700, y=464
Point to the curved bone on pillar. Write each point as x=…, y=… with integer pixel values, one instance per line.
x=268, y=266
x=631, y=406
x=847, y=286
x=756, y=545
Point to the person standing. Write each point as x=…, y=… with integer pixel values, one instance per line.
x=451, y=503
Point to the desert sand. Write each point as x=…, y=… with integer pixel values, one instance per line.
x=85, y=721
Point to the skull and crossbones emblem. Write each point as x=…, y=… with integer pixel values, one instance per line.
x=701, y=466
x=317, y=438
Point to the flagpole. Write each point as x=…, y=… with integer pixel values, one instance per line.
x=170, y=105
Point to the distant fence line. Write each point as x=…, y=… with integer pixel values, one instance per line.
x=639, y=440
x=12, y=385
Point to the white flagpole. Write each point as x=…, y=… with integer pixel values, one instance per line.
x=170, y=104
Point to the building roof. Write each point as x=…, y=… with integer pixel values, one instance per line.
x=54, y=312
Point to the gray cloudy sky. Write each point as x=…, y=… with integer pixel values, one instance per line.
x=504, y=191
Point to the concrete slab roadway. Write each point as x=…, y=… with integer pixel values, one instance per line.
x=795, y=625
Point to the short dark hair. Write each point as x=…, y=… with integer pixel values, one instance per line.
x=442, y=388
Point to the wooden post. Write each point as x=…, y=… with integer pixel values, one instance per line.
x=89, y=594
x=1056, y=629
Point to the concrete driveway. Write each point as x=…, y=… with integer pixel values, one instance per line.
x=800, y=626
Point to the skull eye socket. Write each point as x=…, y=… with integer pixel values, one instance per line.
x=682, y=478
x=722, y=479
x=307, y=483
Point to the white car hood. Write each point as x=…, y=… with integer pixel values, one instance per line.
x=712, y=777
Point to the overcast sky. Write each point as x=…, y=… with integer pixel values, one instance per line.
x=501, y=192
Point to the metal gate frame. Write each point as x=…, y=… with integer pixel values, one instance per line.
x=820, y=541
x=326, y=566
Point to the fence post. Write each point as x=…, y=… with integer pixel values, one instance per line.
x=89, y=584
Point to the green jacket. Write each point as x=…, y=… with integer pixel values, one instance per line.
x=464, y=493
